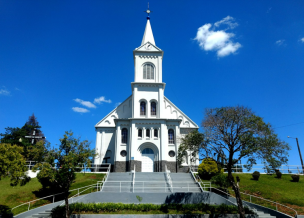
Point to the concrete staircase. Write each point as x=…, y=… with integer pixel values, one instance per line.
x=264, y=215
x=184, y=182
x=150, y=183
x=118, y=182
x=45, y=214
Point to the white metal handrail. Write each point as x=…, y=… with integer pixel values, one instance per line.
x=169, y=177
x=29, y=202
x=105, y=178
x=134, y=176
x=157, y=185
x=79, y=193
x=285, y=169
x=269, y=201
x=196, y=180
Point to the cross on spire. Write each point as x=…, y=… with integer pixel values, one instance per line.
x=148, y=12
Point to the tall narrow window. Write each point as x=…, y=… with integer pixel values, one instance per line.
x=155, y=133
x=153, y=108
x=142, y=108
x=140, y=133
x=148, y=71
x=148, y=133
x=171, y=136
x=124, y=135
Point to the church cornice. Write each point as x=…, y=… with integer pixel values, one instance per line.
x=147, y=84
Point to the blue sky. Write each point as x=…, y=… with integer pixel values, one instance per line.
x=58, y=55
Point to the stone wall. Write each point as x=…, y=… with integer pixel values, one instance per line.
x=171, y=165
x=137, y=165
x=121, y=166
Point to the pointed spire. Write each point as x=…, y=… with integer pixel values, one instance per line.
x=148, y=35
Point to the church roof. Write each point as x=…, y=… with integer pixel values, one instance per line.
x=148, y=35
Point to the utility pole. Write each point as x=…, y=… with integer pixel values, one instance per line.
x=299, y=153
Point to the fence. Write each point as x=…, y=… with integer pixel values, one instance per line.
x=285, y=169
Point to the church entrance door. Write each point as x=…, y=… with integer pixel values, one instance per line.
x=147, y=160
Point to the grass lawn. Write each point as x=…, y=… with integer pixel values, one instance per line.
x=14, y=196
x=281, y=190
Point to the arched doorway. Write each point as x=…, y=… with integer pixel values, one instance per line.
x=147, y=160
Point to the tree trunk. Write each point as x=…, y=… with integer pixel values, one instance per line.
x=237, y=194
x=67, y=208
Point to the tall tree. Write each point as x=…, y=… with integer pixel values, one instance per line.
x=60, y=165
x=239, y=133
x=12, y=164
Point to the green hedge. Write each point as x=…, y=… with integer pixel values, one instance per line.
x=95, y=208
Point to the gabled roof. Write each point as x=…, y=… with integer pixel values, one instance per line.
x=185, y=119
x=120, y=112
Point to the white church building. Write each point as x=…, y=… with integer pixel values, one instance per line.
x=146, y=128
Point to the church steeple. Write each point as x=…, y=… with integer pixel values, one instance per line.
x=148, y=35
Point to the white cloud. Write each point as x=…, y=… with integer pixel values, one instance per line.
x=117, y=104
x=85, y=103
x=220, y=41
x=228, y=21
x=302, y=40
x=4, y=92
x=80, y=110
x=280, y=42
x=101, y=99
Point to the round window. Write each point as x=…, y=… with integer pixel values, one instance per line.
x=171, y=153
x=123, y=153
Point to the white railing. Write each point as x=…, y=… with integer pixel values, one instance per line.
x=273, y=202
x=105, y=178
x=285, y=169
x=196, y=180
x=276, y=203
x=134, y=176
x=168, y=177
x=148, y=186
x=53, y=196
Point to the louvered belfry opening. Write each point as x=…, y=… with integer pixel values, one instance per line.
x=148, y=71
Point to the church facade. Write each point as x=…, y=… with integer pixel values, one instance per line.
x=144, y=131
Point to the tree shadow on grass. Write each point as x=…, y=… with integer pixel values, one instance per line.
x=44, y=192
x=5, y=211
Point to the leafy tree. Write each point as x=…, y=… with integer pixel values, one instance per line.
x=239, y=133
x=12, y=164
x=191, y=145
x=60, y=165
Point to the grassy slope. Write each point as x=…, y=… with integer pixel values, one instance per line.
x=279, y=190
x=13, y=196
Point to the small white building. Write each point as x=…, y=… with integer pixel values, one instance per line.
x=145, y=129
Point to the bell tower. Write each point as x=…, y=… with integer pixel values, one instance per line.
x=147, y=86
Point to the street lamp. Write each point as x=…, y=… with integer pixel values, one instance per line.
x=299, y=151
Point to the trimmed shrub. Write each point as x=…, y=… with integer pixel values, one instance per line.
x=295, y=178
x=208, y=168
x=256, y=175
x=279, y=174
x=97, y=208
x=222, y=181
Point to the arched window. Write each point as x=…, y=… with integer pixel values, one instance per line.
x=124, y=135
x=142, y=108
x=171, y=136
x=140, y=133
x=148, y=133
x=155, y=133
x=153, y=108
x=148, y=71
